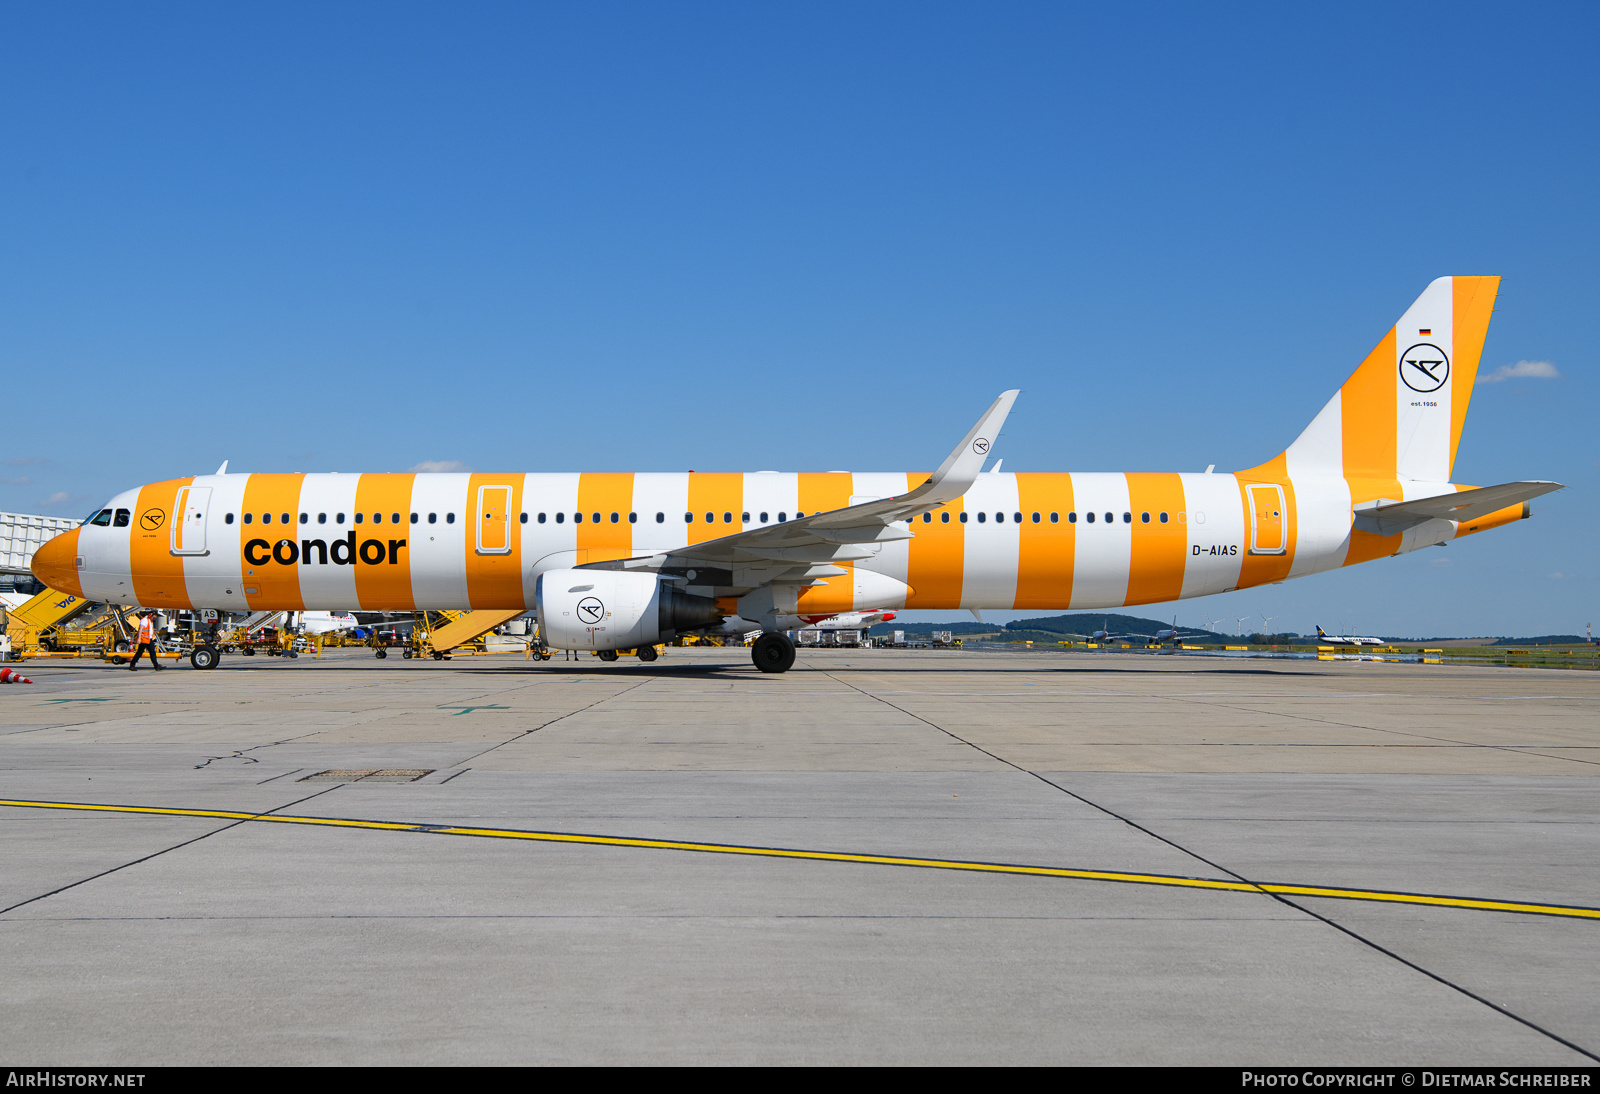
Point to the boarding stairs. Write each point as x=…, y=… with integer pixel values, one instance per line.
x=448, y=630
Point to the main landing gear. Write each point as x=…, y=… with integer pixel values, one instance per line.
x=773, y=652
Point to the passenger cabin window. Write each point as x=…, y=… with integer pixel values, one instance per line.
x=1089, y=517
x=711, y=518
x=727, y=518
x=1055, y=518
x=633, y=518
x=577, y=518
x=286, y=518
x=433, y=518
x=614, y=518
x=1127, y=518
x=449, y=518
x=1017, y=518
x=744, y=518
x=661, y=518
x=305, y=518
x=927, y=518
x=982, y=517
x=688, y=518
x=338, y=518
x=1163, y=518
x=322, y=518
x=944, y=518
x=763, y=518
x=377, y=518
x=228, y=519
x=783, y=518
x=361, y=518
x=266, y=518
x=963, y=518
x=394, y=518
x=561, y=518
x=523, y=518
x=541, y=518
x=1036, y=517
x=1144, y=518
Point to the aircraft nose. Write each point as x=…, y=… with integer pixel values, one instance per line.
x=56, y=563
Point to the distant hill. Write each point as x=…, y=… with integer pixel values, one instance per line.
x=1546, y=640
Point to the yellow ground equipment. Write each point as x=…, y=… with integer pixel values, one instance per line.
x=58, y=624
x=441, y=634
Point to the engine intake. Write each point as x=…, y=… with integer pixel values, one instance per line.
x=615, y=610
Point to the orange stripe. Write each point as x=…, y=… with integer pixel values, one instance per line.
x=1367, y=408
x=385, y=585
x=718, y=494
x=936, y=557
x=157, y=572
x=494, y=580
x=607, y=495
x=1474, y=304
x=277, y=586
x=822, y=492
x=1266, y=569
x=1159, y=552
x=1044, y=550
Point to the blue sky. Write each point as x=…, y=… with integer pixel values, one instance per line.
x=734, y=236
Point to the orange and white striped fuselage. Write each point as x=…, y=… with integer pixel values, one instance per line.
x=774, y=547
x=387, y=542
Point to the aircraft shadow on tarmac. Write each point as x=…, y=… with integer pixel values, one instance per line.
x=746, y=670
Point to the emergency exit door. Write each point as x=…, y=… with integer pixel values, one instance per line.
x=1267, y=524
x=494, y=533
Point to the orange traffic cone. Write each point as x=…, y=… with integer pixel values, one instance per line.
x=9, y=676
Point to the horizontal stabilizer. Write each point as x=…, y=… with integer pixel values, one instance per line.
x=1390, y=517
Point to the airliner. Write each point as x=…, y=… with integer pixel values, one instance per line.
x=616, y=561
x=1326, y=639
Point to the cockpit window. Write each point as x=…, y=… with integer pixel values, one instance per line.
x=101, y=519
x=121, y=520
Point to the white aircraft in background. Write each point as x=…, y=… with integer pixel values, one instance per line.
x=847, y=621
x=326, y=622
x=1326, y=639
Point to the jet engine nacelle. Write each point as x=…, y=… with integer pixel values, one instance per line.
x=615, y=610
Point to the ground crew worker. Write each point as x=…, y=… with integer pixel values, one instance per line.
x=147, y=641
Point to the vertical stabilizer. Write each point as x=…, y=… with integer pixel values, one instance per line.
x=1400, y=415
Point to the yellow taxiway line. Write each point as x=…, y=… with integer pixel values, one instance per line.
x=1174, y=881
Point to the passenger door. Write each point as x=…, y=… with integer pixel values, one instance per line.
x=189, y=530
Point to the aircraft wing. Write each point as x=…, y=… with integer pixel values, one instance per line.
x=804, y=549
x=1388, y=517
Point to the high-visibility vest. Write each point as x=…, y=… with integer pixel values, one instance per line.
x=147, y=630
